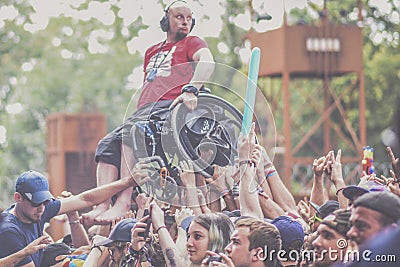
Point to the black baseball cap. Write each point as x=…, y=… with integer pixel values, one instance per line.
x=383, y=202
x=51, y=252
x=325, y=209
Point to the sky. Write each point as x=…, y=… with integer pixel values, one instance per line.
x=207, y=12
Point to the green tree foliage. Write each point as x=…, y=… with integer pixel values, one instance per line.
x=54, y=71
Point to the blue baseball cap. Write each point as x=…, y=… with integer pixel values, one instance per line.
x=34, y=186
x=186, y=222
x=121, y=232
x=290, y=230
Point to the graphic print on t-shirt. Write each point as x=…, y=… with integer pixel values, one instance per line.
x=161, y=62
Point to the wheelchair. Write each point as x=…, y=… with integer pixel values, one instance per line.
x=168, y=136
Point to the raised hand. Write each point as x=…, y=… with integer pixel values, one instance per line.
x=187, y=174
x=138, y=240
x=181, y=214
x=318, y=166
x=140, y=173
x=336, y=174
x=142, y=200
x=218, y=180
x=303, y=208
x=395, y=162
x=246, y=144
x=394, y=188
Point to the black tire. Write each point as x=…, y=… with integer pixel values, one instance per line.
x=214, y=108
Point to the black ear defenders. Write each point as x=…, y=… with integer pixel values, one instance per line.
x=164, y=22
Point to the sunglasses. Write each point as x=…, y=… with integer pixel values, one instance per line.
x=316, y=218
x=35, y=205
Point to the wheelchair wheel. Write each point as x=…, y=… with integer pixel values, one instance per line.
x=213, y=126
x=163, y=192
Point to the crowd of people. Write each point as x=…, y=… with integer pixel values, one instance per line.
x=259, y=224
x=358, y=228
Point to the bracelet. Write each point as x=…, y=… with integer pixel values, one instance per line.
x=190, y=89
x=161, y=227
x=294, y=216
x=271, y=171
x=246, y=161
x=74, y=222
x=225, y=192
x=98, y=247
x=338, y=191
x=263, y=195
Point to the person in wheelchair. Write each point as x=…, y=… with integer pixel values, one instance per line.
x=175, y=69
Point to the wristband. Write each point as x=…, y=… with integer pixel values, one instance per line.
x=98, y=247
x=294, y=216
x=161, y=227
x=190, y=89
x=338, y=191
x=271, y=171
x=224, y=192
x=246, y=161
x=74, y=222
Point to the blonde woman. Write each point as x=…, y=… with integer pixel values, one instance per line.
x=206, y=232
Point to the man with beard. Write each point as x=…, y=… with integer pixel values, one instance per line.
x=34, y=206
x=174, y=71
x=331, y=244
x=373, y=213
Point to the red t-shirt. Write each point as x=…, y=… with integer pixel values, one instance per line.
x=174, y=65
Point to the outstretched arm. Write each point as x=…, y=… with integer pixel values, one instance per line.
x=99, y=194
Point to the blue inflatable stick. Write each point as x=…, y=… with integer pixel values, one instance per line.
x=251, y=90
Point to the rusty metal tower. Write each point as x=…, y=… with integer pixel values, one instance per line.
x=320, y=52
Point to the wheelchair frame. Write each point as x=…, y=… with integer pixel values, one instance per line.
x=179, y=136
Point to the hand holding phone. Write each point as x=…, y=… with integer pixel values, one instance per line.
x=145, y=234
x=214, y=258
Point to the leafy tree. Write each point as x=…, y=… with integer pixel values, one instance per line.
x=55, y=70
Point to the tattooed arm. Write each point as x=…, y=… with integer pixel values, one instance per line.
x=170, y=250
x=169, y=255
